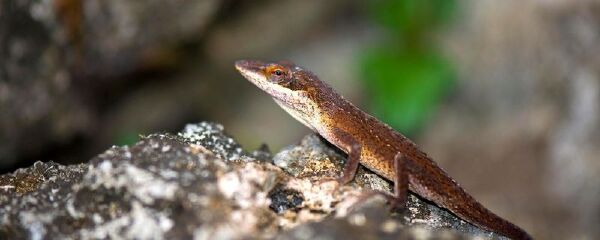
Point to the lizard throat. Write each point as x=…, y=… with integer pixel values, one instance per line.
x=295, y=114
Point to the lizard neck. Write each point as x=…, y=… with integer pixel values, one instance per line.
x=295, y=114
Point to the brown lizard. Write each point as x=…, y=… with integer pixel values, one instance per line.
x=369, y=141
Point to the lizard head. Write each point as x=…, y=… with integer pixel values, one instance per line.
x=296, y=90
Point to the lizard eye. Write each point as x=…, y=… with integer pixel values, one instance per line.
x=278, y=72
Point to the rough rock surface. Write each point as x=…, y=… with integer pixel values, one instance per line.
x=55, y=56
x=74, y=75
x=201, y=184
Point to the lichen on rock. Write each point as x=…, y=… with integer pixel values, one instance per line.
x=201, y=184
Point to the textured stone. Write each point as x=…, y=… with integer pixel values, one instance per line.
x=200, y=184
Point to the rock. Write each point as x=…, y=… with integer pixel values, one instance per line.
x=211, y=136
x=525, y=117
x=252, y=33
x=57, y=57
x=370, y=221
x=200, y=184
x=37, y=107
x=121, y=36
x=315, y=159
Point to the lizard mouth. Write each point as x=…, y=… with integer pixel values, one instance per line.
x=254, y=71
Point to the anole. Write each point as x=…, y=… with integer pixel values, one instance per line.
x=369, y=142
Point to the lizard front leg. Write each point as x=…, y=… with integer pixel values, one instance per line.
x=354, y=152
x=398, y=200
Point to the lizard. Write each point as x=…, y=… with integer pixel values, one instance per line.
x=370, y=142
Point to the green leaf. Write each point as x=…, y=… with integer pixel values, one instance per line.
x=405, y=87
x=412, y=16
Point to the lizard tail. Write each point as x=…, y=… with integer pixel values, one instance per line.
x=475, y=213
x=445, y=192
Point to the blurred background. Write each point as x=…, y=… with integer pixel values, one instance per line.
x=504, y=95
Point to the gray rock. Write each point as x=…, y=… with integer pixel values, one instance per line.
x=311, y=156
x=371, y=220
x=315, y=159
x=57, y=55
x=121, y=35
x=212, y=137
x=35, y=102
x=200, y=184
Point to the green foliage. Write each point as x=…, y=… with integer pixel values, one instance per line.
x=405, y=87
x=126, y=138
x=412, y=17
x=405, y=76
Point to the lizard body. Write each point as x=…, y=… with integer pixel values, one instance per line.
x=369, y=141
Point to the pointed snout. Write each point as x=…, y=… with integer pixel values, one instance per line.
x=253, y=71
x=249, y=66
